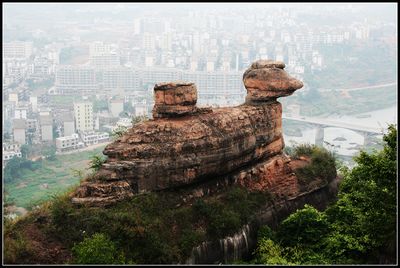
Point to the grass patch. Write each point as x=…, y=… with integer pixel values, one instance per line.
x=31, y=189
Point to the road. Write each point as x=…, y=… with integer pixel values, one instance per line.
x=359, y=88
x=89, y=148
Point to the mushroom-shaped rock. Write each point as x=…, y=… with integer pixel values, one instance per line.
x=266, y=80
x=174, y=99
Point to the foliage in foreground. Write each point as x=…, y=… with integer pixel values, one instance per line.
x=359, y=228
x=150, y=228
x=97, y=249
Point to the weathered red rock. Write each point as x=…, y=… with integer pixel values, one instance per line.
x=174, y=99
x=266, y=81
x=184, y=145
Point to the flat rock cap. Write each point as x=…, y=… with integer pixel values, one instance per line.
x=267, y=64
x=172, y=85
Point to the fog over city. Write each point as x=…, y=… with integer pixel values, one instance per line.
x=74, y=74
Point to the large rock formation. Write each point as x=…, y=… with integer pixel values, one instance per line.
x=184, y=145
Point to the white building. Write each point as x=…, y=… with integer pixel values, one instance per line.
x=120, y=78
x=68, y=142
x=83, y=112
x=46, y=127
x=15, y=147
x=7, y=155
x=10, y=150
x=33, y=100
x=92, y=137
x=116, y=107
x=17, y=49
x=141, y=109
x=19, y=130
x=13, y=96
x=68, y=124
x=71, y=79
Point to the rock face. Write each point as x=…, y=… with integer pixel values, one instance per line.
x=266, y=80
x=184, y=144
x=174, y=99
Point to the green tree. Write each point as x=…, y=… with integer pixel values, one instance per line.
x=359, y=228
x=364, y=217
x=49, y=152
x=25, y=150
x=269, y=252
x=98, y=249
x=305, y=227
x=96, y=162
x=12, y=169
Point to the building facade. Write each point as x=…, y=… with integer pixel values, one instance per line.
x=83, y=112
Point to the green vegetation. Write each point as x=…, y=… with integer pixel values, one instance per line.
x=139, y=119
x=97, y=249
x=148, y=228
x=15, y=167
x=29, y=183
x=359, y=228
x=18, y=248
x=325, y=103
x=49, y=152
x=96, y=162
x=353, y=65
x=119, y=131
x=322, y=165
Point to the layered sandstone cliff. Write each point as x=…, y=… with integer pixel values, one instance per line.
x=185, y=145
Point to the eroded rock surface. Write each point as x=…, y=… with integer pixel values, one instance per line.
x=266, y=80
x=184, y=145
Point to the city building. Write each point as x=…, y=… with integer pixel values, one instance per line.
x=116, y=106
x=19, y=130
x=120, y=79
x=22, y=111
x=17, y=49
x=83, y=112
x=46, y=128
x=68, y=124
x=68, y=143
x=92, y=137
x=76, y=80
x=7, y=155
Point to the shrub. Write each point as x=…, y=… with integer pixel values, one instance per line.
x=269, y=252
x=96, y=162
x=306, y=226
x=17, y=249
x=97, y=249
x=323, y=164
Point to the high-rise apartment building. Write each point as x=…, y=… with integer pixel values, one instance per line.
x=17, y=49
x=76, y=80
x=83, y=116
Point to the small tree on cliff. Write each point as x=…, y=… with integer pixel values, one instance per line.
x=96, y=162
x=364, y=217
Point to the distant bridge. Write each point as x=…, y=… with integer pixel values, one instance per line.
x=324, y=122
x=321, y=123
x=358, y=88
